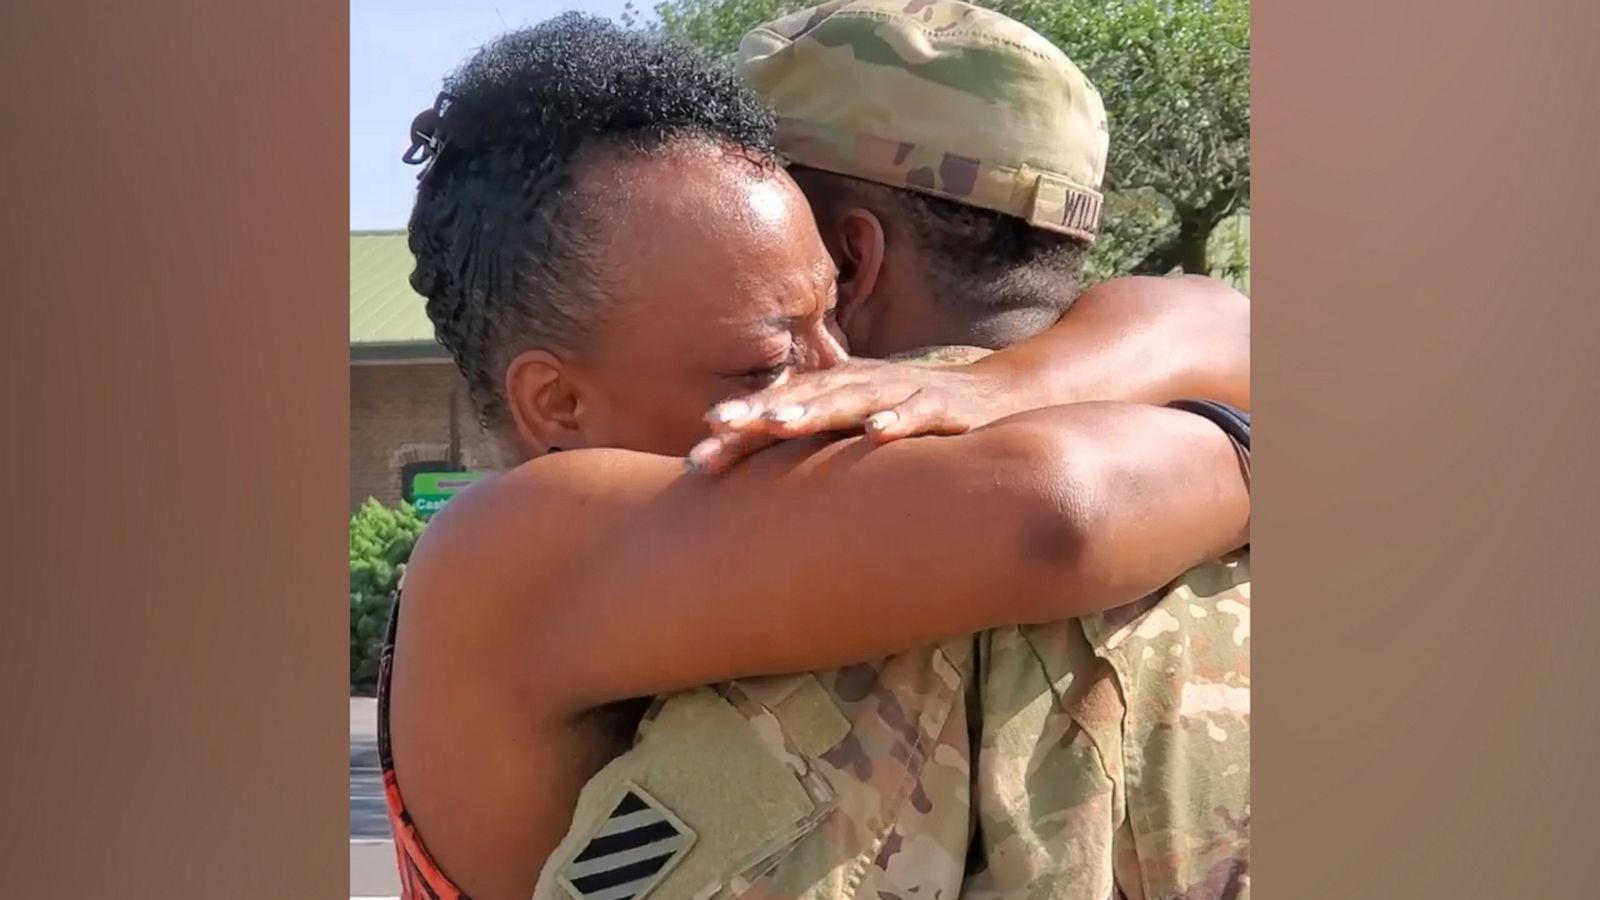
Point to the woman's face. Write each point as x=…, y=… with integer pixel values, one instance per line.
x=719, y=284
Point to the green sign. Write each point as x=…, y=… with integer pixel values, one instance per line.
x=430, y=490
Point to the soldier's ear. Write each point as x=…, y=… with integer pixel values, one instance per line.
x=860, y=257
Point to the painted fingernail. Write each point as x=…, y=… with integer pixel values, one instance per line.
x=732, y=411
x=882, y=420
x=787, y=414
x=699, y=459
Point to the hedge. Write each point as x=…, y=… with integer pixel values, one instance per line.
x=381, y=538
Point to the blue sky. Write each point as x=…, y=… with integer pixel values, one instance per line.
x=400, y=50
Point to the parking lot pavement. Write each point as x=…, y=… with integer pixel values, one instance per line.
x=372, y=860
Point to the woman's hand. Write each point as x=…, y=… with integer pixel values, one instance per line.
x=886, y=400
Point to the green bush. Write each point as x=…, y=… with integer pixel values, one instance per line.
x=381, y=539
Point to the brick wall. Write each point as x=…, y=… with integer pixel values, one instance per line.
x=401, y=414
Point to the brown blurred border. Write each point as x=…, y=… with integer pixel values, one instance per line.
x=173, y=661
x=1428, y=393
x=175, y=339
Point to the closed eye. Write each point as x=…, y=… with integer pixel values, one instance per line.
x=764, y=375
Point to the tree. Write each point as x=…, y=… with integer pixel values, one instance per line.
x=713, y=25
x=1175, y=75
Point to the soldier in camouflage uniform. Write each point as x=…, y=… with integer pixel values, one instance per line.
x=1112, y=753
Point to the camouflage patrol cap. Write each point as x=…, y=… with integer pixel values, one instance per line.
x=936, y=96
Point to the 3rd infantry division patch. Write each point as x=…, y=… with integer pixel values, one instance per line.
x=628, y=855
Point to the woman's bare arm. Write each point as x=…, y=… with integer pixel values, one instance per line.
x=619, y=576
x=1141, y=339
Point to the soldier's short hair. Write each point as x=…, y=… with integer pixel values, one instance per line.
x=979, y=263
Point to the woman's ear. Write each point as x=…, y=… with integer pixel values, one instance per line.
x=860, y=258
x=542, y=403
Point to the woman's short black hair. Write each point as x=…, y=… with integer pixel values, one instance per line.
x=506, y=250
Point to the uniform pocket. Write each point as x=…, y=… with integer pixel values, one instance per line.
x=887, y=738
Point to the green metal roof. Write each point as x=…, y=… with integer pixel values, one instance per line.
x=384, y=310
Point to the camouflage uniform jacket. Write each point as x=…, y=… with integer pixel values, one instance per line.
x=1114, y=760
x=1113, y=756
x=836, y=784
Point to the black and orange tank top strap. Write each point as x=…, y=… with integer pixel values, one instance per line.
x=420, y=877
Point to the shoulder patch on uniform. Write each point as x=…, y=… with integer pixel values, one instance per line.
x=630, y=852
